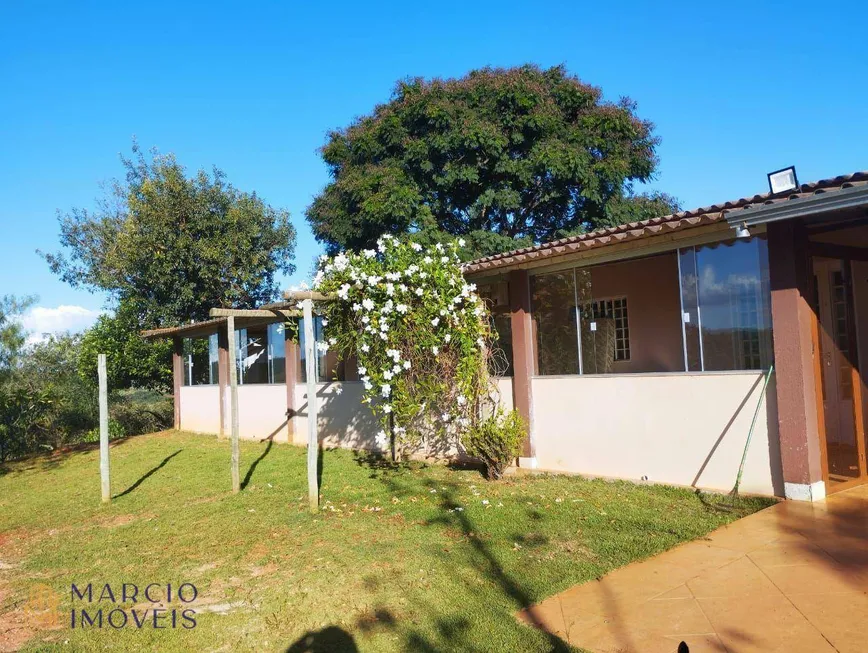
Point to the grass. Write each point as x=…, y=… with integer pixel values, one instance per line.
x=409, y=557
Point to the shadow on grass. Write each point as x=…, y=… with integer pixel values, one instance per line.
x=255, y=463
x=46, y=461
x=150, y=473
x=454, y=630
x=330, y=639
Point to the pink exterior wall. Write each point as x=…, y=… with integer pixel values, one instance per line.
x=200, y=408
x=680, y=429
x=653, y=307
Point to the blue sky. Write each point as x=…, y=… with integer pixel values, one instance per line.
x=735, y=89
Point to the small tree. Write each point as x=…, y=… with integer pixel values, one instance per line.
x=420, y=334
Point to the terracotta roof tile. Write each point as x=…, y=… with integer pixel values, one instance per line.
x=674, y=222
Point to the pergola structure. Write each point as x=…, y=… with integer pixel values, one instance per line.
x=236, y=317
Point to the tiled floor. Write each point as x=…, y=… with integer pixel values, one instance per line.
x=791, y=578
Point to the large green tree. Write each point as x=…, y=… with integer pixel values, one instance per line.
x=167, y=247
x=176, y=246
x=503, y=157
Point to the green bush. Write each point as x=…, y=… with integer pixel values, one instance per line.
x=496, y=441
x=116, y=431
x=141, y=411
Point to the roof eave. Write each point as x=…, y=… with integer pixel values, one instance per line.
x=802, y=207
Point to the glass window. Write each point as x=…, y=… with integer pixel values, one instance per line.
x=328, y=367
x=253, y=355
x=726, y=305
x=605, y=334
x=213, y=360
x=553, y=306
x=196, y=367
x=277, y=352
x=501, y=354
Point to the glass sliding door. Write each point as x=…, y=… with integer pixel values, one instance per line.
x=725, y=303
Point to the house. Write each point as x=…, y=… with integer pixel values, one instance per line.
x=639, y=351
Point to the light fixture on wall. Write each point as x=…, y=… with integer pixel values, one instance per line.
x=780, y=181
x=742, y=231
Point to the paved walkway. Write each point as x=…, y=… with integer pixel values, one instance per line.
x=791, y=578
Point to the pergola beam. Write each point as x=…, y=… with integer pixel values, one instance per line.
x=253, y=312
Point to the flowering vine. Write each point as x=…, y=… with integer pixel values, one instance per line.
x=418, y=331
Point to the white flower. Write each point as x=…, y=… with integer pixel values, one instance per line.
x=339, y=390
x=435, y=349
x=383, y=335
x=416, y=247
x=447, y=337
x=427, y=259
x=368, y=385
x=461, y=400
x=402, y=288
x=480, y=342
x=406, y=365
x=419, y=292
x=485, y=502
x=340, y=262
x=423, y=275
x=385, y=389
x=381, y=246
x=390, y=289
x=444, y=259
x=325, y=322
x=387, y=408
x=382, y=438
x=402, y=308
x=343, y=291
x=388, y=375
x=333, y=341
x=368, y=304
x=365, y=319
x=362, y=370
x=357, y=306
x=322, y=346
x=438, y=247
x=435, y=321
x=445, y=417
x=373, y=280
x=461, y=242
x=396, y=369
x=369, y=253
x=442, y=312
x=366, y=347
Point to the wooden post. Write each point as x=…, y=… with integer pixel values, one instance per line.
x=103, y=430
x=223, y=380
x=312, y=440
x=178, y=371
x=291, y=360
x=522, y=357
x=233, y=401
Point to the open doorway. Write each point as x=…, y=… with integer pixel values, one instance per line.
x=840, y=340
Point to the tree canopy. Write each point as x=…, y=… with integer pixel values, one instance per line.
x=502, y=157
x=167, y=248
x=175, y=246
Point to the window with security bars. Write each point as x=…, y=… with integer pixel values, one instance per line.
x=615, y=310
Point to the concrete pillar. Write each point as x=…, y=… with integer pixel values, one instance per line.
x=177, y=376
x=223, y=379
x=522, y=358
x=292, y=358
x=792, y=321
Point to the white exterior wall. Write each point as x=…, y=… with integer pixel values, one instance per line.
x=681, y=429
x=200, y=408
x=342, y=419
x=261, y=412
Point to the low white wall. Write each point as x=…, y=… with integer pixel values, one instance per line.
x=261, y=411
x=683, y=429
x=342, y=419
x=200, y=408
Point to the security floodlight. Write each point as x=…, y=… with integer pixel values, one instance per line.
x=780, y=181
x=742, y=231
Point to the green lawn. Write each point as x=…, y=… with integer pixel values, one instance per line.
x=416, y=557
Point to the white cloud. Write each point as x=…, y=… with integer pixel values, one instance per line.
x=40, y=321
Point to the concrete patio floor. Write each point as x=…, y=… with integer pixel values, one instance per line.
x=790, y=578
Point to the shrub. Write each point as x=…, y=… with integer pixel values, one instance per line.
x=496, y=441
x=141, y=411
x=116, y=431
